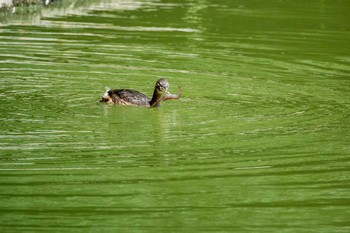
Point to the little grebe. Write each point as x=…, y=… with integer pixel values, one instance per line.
x=135, y=98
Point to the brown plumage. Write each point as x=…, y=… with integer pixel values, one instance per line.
x=135, y=98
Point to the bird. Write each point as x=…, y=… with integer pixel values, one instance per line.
x=135, y=98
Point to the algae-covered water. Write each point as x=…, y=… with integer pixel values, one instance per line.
x=259, y=141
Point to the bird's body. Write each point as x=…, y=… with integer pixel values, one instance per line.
x=135, y=98
x=129, y=97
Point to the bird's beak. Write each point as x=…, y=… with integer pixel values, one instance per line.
x=163, y=90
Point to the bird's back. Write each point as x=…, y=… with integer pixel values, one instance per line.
x=129, y=97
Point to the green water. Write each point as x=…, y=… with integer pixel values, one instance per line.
x=259, y=142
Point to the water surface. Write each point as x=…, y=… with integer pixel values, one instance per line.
x=259, y=141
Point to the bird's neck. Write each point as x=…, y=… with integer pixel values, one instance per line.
x=156, y=99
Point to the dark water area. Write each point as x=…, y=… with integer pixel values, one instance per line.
x=259, y=140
